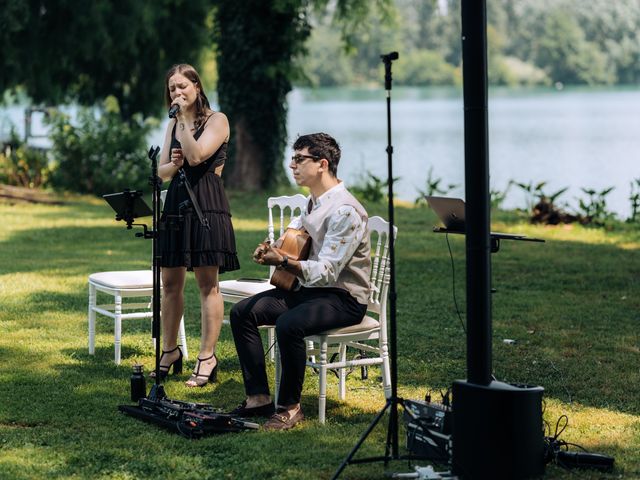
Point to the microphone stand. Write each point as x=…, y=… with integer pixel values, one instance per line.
x=157, y=390
x=391, y=448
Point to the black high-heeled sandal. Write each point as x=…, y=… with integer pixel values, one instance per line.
x=196, y=376
x=164, y=369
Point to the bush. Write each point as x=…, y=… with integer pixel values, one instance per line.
x=23, y=166
x=513, y=71
x=432, y=187
x=594, y=210
x=102, y=154
x=369, y=188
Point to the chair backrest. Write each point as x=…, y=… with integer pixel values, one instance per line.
x=294, y=203
x=289, y=206
x=380, y=275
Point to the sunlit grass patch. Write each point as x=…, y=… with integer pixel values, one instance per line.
x=570, y=305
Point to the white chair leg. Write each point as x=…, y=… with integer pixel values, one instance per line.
x=342, y=373
x=117, y=327
x=153, y=338
x=386, y=371
x=310, y=346
x=278, y=367
x=92, y=319
x=271, y=337
x=322, y=399
x=183, y=339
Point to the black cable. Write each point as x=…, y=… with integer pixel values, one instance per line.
x=557, y=451
x=453, y=282
x=566, y=423
x=269, y=349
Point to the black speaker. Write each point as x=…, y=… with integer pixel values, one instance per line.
x=497, y=431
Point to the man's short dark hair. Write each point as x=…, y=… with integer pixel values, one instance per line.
x=323, y=146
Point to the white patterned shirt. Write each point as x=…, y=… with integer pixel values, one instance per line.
x=345, y=231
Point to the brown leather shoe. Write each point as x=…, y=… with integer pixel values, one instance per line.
x=282, y=420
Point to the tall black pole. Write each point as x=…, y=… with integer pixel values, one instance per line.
x=478, y=242
x=496, y=426
x=393, y=418
x=157, y=391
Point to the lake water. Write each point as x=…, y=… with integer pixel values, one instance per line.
x=580, y=138
x=576, y=138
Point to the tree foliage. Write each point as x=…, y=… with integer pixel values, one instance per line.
x=529, y=42
x=257, y=43
x=70, y=50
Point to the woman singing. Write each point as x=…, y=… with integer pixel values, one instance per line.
x=196, y=142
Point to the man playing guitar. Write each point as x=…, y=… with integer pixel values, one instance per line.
x=333, y=288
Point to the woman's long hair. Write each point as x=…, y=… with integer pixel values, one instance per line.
x=203, y=109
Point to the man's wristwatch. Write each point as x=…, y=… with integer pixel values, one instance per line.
x=284, y=262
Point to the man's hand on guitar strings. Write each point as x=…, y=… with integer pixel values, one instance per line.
x=269, y=256
x=260, y=250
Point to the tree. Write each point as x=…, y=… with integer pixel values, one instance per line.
x=69, y=50
x=566, y=53
x=257, y=43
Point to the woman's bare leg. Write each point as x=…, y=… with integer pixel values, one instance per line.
x=173, y=280
x=212, y=311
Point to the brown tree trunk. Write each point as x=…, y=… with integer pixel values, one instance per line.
x=256, y=42
x=248, y=167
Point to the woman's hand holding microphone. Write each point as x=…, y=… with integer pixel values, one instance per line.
x=177, y=157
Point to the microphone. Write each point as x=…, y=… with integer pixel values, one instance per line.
x=389, y=57
x=173, y=111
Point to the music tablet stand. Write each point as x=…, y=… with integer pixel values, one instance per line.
x=128, y=205
x=495, y=237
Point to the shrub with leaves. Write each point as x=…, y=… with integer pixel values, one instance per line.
x=535, y=193
x=23, y=166
x=497, y=197
x=593, y=210
x=542, y=206
x=102, y=153
x=432, y=187
x=370, y=188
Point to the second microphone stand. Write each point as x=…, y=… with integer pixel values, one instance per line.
x=391, y=448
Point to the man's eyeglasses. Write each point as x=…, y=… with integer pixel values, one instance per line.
x=298, y=158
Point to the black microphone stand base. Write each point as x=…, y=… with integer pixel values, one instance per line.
x=157, y=392
x=191, y=420
x=391, y=451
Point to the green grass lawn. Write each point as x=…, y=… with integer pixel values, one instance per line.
x=571, y=304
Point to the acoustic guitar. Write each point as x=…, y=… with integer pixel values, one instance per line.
x=296, y=245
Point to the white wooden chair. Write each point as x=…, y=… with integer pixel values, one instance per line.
x=120, y=285
x=373, y=327
x=235, y=290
